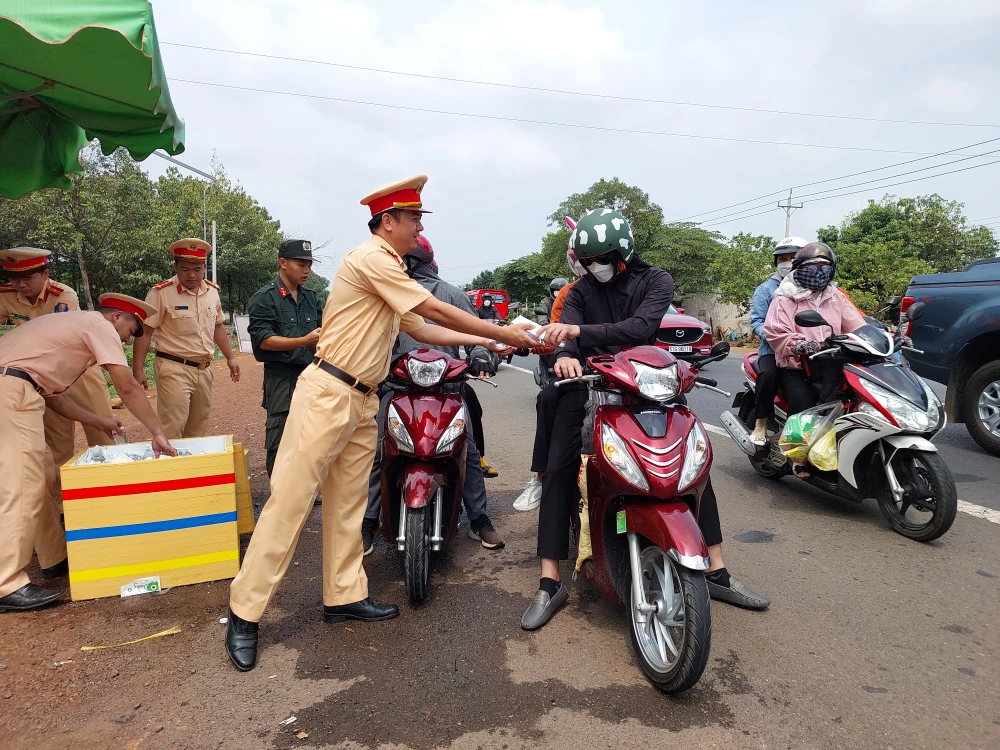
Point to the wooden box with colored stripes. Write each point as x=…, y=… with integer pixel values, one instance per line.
x=171, y=517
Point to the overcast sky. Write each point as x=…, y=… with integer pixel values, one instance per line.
x=493, y=182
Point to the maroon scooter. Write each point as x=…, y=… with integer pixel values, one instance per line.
x=650, y=465
x=423, y=460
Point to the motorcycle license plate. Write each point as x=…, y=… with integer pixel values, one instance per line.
x=681, y=349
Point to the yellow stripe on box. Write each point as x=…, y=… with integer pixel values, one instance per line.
x=98, y=512
x=142, y=549
x=152, y=568
x=169, y=579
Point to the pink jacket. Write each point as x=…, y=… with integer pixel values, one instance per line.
x=781, y=331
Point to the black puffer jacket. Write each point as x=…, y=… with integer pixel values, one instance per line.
x=622, y=313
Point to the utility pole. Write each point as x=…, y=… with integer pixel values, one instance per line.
x=788, y=207
x=213, y=253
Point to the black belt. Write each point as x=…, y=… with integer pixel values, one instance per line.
x=20, y=374
x=188, y=362
x=341, y=375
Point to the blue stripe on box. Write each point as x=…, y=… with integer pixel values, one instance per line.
x=107, y=532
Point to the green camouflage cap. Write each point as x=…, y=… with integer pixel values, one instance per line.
x=601, y=231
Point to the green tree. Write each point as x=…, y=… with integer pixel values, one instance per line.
x=686, y=251
x=740, y=266
x=643, y=215
x=934, y=229
x=524, y=279
x=320, y=285
x=872, y=272
x=483, y=280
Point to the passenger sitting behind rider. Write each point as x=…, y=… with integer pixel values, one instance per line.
x=807, y=287
x=618, y=304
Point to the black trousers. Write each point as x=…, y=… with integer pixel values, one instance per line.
x=766, y=386
x=475, y=417
x=798, y=390
x=545, y=415
x=560, y=491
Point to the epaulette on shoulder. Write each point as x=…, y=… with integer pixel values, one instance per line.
x=212, y=284
x=6, y=288
x=57, y=291
x=163, y=284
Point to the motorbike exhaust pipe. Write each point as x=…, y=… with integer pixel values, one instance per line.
x=738, y=432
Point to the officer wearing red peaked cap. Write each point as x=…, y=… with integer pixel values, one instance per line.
x=330, y=435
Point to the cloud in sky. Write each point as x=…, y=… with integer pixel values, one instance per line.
x=310, y=160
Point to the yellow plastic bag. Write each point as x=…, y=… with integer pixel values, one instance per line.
x=823, y=452
x=584, y=549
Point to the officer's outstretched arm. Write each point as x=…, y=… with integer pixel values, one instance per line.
x=134, y=398
x=451, y=317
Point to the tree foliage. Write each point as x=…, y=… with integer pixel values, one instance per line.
x=686, y=251
x=483, y=280
x=111, y=230
x=740, y=266
x=927, y=227
x=645, y=217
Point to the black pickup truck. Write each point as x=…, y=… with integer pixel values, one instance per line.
x=958, y=338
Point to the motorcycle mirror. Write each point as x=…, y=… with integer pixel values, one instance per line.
x=722, y=348
x=915, y=311
x=810, y=319
x=894, y=301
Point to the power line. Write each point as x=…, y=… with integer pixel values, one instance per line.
x=545, y=122
x=979, y=221
x=842, y=177
x=586, y=94
x=737, y=217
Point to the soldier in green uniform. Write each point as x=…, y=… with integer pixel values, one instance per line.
x=285, y=319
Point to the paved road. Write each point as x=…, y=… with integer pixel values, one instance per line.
x=976, y=472
x=872, y=641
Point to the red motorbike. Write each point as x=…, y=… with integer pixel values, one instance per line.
x=423, y=460
x=650, y=464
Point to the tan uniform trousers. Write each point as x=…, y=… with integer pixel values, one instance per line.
x=328, y=444
x=23, y=492
x=183, y=398
x=91, y=393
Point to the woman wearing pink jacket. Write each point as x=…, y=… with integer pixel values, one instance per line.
x=807, y=287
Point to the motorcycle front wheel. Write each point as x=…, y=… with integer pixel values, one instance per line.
x=417, y=559
x=672, y=646
x=930, y=502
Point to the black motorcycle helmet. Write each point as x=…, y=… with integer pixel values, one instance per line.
x=815, y=252
x=556, y=284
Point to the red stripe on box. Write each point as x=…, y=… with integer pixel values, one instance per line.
x=116, y=490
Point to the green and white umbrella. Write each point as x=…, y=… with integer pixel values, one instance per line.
x=72, y=71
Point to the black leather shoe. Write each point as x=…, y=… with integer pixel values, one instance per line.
x=241, y=642
x=30, y=596
x=366, y=610
x=56, y=571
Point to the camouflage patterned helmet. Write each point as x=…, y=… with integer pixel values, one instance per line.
x=600, y=231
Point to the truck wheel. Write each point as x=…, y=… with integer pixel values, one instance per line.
x=982, y=407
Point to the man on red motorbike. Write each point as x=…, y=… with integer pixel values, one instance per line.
x=618, y=304
x=421, y=267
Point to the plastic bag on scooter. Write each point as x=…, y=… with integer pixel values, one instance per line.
x=584, y=549
x=805, y=428
x=823, y=452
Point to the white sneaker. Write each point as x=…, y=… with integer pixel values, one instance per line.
x=531, y=498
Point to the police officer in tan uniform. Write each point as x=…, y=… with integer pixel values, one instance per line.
x=39, y=361
x=29, y=294
x=329, y=438
x=188, y=326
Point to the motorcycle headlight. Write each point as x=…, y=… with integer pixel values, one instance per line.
x=906, y=414
x=933, y=406
x=426, y=374
x=695, y=456
x=619, y=457
x=657, y=383
x=394, y=424
x=455, y=430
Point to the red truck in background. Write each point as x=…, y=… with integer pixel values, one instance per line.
x=500, y=301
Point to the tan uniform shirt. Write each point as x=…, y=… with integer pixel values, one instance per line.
x=370, y=303
x=55, y=298
x=185, y=321
x=57, y=349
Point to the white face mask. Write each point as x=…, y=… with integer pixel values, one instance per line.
x=603, y=272
x=784, y=268
x=486, y=303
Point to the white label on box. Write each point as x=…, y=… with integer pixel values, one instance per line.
x=141, y=586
